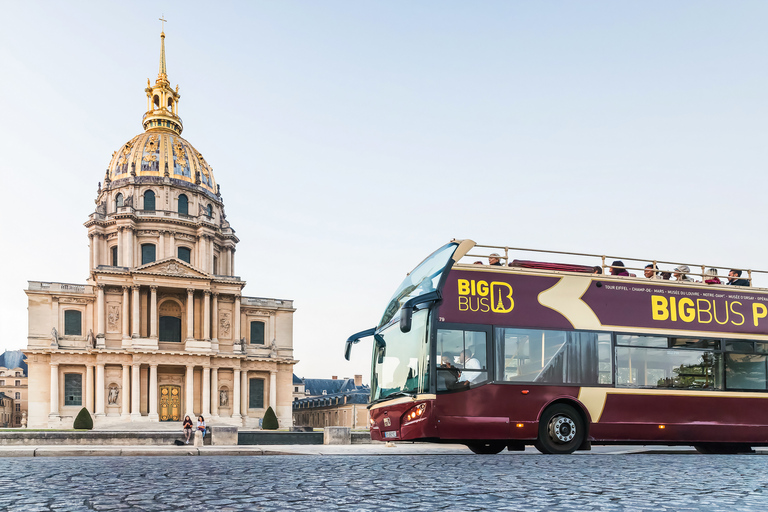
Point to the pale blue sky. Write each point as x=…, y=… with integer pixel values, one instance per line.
x=352, y=138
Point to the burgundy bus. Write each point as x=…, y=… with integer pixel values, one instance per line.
x=558, y=356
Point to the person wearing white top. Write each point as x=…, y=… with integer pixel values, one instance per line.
x=469, y=363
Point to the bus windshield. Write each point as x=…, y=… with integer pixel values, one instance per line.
x=423, y=279
x=400, y=359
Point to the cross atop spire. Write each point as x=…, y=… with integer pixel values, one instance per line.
x=162, y=27
x=163, y=74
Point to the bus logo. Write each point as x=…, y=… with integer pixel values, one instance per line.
x=480, y=296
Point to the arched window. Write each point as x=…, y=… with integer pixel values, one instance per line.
x=118, y=201
x=149, y=200
x=113, y=250
x=18, y=396
x=183, y=204
x=185, y=254
x=73, y=323
x=209, y=210
x=170, y=103
x=215, y=264
x=156, y=101
x=147, y=253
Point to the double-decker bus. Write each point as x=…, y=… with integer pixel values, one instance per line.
x=559, y=356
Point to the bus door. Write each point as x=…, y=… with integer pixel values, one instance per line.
x=465, y=408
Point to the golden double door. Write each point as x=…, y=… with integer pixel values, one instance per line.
x=170, y=403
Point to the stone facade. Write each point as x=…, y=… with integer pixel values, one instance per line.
x=333, y=402
x=161, y=328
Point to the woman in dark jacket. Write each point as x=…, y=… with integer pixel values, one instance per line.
x=187, y=426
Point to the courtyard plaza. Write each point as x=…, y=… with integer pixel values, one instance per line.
x=609, y=479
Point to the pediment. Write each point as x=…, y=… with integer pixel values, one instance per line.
x=171, y=267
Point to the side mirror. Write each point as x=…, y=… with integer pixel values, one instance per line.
x=356, y=338
x=406, y=315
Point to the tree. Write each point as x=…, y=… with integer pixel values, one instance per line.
x=270, y=420
x=83, y=420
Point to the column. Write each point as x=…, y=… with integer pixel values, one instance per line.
x=153, y=312
x=101, y=313
x=171, y=244
x=244, y=394
x=96, y=252
x=189, y=394
x=54, y=390
x=136, y=318
x=237, y=319
x=206, y=315
x=273, y=390
x=206, y=391
x=190, y=314
x=100, y=389
x=214, y=392
x=89, y=388
x=161, y=246
x=120, y=247
x=135, y=390
x=128, y=262
x=153, y=416
x=215, y=325
x=92, y=251
x=126, y=403
x=232, y=262
x=236, y=395
x=126, y=311
x=211, y=254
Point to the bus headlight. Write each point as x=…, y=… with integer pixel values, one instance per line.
x=415, y=412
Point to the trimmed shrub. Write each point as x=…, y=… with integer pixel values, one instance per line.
x=270, y=420
x=83, y=420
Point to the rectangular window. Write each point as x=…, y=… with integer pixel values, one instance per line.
x=18, y=407
x=746, y=371
x=73, y=321
x=17, y=383
x=462, y=359
x=669, y=368
x=73, y=389
x=257, y=333
x=2, y=383
x=256, y=394
x=553, y=357
x=147, y=253
x=185, y=254
x=641, y=341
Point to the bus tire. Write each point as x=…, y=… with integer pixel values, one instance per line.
x=723, y=448
x=561, y=430
x=487, y=448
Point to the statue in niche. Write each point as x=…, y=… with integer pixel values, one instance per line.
x=54, y=338
x=24, y=419
x=112, y=396
x=90, y=339
x=273, y=349
x=223, y=398
x=113, y=316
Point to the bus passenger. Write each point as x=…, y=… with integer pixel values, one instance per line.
x=597, y=270
x=469, y=363
x=651, y=272
x=734, y=278
x=710, y=276
x=666, y=276
x=617, y=269
x=681, y=273
x=495, y=259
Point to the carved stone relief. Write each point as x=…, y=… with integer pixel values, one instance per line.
x=113, y=318
x=174, y=268
x=225, y=324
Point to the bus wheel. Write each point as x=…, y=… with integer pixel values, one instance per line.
x=561, y=430
x=489, y=448
x=723, y=448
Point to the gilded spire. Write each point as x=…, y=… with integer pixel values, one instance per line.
x=162, y=101
x=163, y=74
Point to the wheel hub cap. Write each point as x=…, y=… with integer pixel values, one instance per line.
x=562, y=429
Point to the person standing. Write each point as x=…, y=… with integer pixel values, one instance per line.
x=187, y=427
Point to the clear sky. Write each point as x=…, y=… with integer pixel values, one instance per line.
x=351, y=139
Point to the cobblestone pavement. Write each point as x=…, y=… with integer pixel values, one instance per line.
x=636, y=482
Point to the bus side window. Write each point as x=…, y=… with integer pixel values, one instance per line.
x=461, y=358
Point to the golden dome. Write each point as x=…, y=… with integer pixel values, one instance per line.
x=161, y=153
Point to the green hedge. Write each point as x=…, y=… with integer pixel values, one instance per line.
x=270, y=420
x=83, y=420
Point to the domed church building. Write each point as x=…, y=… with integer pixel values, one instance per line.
x=160, y=329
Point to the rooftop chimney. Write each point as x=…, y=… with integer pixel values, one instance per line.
x=335, y=377
x=358, y=380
